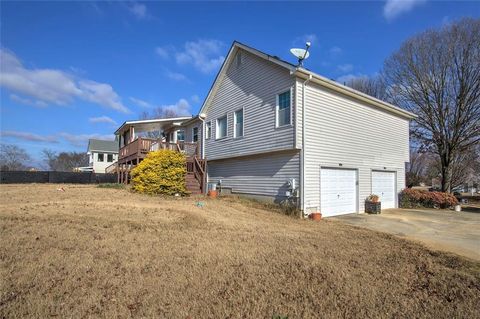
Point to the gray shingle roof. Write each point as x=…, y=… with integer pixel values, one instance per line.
x=102, y=145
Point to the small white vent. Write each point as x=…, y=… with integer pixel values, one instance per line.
x=238, y=59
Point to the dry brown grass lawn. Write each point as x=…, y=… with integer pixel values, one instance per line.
x=91, y=252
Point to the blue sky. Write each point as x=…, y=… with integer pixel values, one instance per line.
x=75, y=70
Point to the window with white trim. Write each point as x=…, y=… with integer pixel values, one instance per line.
x=221, y=129
x=195, y=134
x=109, y=158
x=238, y=123
x=283, y=109
x=100, y=157
x=208, y=130
x=181, y=135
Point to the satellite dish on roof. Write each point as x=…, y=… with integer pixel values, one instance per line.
x=301, y=54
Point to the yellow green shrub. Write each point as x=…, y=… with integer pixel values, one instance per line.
x=161, y=172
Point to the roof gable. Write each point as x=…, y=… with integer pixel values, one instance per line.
x=102, y=145
x=236, y=46
x=301, y=73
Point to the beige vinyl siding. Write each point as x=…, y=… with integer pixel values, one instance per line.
x=298, y=113
x=340, y=130
x=265, y=174
x=251, y=85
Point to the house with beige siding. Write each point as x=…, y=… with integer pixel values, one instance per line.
x=278, y=132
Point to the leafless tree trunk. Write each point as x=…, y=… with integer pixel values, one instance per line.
x=13, y=158
x=436, y=75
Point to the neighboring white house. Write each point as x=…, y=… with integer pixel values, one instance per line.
x=102, y=154
x=280, y=132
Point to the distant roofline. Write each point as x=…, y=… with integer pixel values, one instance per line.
x=183, y=118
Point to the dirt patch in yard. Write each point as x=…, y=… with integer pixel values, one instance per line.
x=91, y=252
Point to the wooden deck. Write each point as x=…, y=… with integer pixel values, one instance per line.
x=133, y=153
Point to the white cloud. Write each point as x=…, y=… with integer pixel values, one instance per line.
x=335, y=51
x=26, y=136
x=26, y=101
x=101, y=93
x=141, y=103
x=345, y=68
x=77, y=140
x=49, y=86
x=102, y=119
x=205, y=55
x=182, y=107
x=139, y=10
x=176, y=76
x=163, y=52
x=195, y=99
x=394, y=8
x=82, y=139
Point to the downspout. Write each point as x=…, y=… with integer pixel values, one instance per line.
x=202, y=117
x=203, y=137
x=302, y=153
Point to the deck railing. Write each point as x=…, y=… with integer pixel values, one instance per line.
x=197, y=167
x=141, y=146
x=112, y=168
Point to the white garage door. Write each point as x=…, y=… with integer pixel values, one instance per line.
x=338, y=191
x=383, y=185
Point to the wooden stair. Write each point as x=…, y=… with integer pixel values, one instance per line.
x=192, y=184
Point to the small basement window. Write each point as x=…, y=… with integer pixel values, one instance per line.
x=100, y=157
x=283, y=109
x=221, y=129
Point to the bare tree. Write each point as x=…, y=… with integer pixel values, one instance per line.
x=13, y=158
x=373, y=86
x=49, y=158
x=64, y=161
x=436, y=75
x=466, y=168
x=157, y=113
x=417, y=167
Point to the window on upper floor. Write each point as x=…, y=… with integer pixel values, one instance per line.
x=221, y=129
x=238, y=120
x=109, y=158
x=283, y=116
x=195, y=134
x=100, y=157
x=181, y=135
x=208, y=130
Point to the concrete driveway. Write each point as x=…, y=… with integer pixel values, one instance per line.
x=456, y=232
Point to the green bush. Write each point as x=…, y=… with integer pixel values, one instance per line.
x=161, y=172
x=412, y=198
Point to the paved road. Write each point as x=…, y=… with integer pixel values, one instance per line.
x=456, y=232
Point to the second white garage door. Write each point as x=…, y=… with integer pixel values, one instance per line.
x=338, y=191
x=383, y=185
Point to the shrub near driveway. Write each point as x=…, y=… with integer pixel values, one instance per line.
x=161, y=172
x=412, y=198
